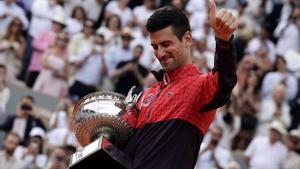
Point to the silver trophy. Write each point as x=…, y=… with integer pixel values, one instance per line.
x=98, y=114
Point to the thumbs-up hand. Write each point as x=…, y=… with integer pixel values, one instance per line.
x=222, y=22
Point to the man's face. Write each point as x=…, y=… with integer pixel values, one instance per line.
x=169, y=50
x=10, y=144
x=274, y=135
x=25, y=106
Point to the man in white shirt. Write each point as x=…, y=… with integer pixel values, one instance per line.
x=267, y=152
x=212, y=155
x=120, y=8
x=116, y=54
x=91, y=68
x=93, y=8
x=7, y=159
x=8, y=10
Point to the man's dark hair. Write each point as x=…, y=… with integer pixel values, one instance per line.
x=169, y=16
x=28, y=97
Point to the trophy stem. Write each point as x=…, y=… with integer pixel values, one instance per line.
x=106, y=132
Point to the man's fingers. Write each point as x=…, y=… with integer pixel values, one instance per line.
x=219, y=16
x=226, y=21
x=212, y=12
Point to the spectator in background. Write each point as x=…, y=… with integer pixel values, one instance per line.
x=91, y=68
x=230, y=122
x=53, y=77
x=4, y=90
x=211, y=155
x=111, y=31
x=12, y=47
x=276, y=108
x=59, y=118
x=42, y=12
x=292, y=141
x=121, y=9
x=33, y=153
x=7, y=159
x=200, y=51
x=141, y=14
x=147, y=59
x=288, y=35
x=248, y=98
x=57, y=159
x=63, y=135
x=42, y=42
x=76, y=21
x=118, y=53
x=23, y=121
x=261, y=47
x=130, y=73
x=268, y=147
x=93, y=8
x=81, y=40
x=9, y=10
x=279, y=76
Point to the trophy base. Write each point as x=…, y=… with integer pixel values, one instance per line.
x=95, y=155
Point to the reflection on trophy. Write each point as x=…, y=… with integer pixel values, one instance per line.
x=97, y=118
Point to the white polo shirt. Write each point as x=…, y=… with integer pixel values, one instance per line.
x=264, y=155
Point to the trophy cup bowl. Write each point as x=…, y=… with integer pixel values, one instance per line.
x=98, y=114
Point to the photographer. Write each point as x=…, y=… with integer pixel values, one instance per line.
x=23, y=121
x=130, y=73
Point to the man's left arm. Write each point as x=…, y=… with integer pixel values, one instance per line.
x=224, y=71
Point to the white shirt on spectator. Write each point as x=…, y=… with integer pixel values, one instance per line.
x=115, y=55
x=58, y=119
x=61, y=136
x=142, y=13
x=90, y=72
x=77, y=42
x=197, y=20
x=147, y=57
x=4, y=98
x=196, y=6
x=292, y=58
x=21, y=154
x=288, y=36
x=264, y=155
x=266, y=116
x=125, y=15
x=70, y=4
x=11, y=163
x=92, y=8
x=16, y=11
x=273, y=78
x=42, y=14
x=205, y=161
x=256, y=44
x=229, y=132
x=73, y=26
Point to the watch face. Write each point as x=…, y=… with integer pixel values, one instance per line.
x=98, y=114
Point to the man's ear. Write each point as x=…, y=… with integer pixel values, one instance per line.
x=187, y=39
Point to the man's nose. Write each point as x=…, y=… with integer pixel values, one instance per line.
x=160, y=53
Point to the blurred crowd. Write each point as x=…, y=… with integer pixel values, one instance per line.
x=67, y=49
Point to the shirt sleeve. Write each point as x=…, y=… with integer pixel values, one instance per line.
x=217, y=86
